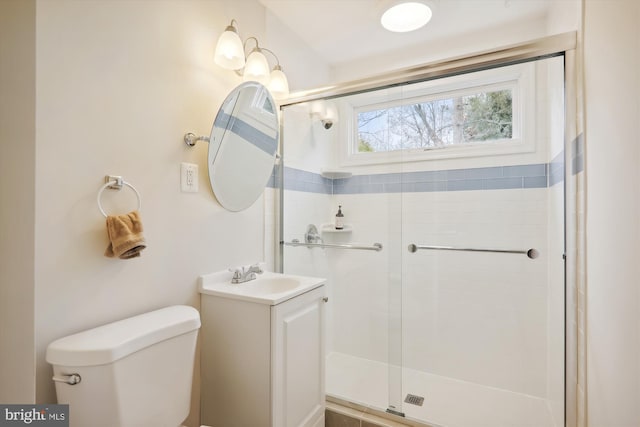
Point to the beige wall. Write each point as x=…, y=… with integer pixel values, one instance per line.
x=17, y=176
x=612, y=91
x=118, y=83
x=116, y=86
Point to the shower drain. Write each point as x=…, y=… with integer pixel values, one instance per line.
x=412, y=399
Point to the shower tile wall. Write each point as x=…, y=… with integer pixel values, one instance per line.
x=472, y=316
x=485, y=318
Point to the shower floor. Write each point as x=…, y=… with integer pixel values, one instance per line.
x=448, y=402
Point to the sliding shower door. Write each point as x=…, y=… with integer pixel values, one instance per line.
x=446, y=283
x=361, y=261
x=482, y=249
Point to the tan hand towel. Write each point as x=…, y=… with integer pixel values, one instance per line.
x=125, y=236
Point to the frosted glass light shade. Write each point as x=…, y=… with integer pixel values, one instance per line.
x=257, y=68
x=278, y=84
x=405, y=17
x=229, y=51
x=331, y=113
x=318, y=109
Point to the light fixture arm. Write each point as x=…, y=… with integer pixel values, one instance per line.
x=231, y=27
x=244, y=45
x=277, y=67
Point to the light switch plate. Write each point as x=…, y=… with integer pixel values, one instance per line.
x=189, y=177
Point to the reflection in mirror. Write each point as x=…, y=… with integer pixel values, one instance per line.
x=243, y=145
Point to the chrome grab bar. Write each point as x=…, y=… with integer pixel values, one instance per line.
x=531, y=253
x=295, y=242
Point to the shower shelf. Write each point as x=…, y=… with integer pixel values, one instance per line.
x=330, y=228
x=335, y=174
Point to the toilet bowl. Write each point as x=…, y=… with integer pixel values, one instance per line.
x=135, y=372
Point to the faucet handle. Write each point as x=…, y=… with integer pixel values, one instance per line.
x=256, y=268
x=237, y=273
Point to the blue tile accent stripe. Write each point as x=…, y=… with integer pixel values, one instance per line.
x=301, y=180
x=244, y=130
x=541, y=175
x=577, y=155
x=273, y=179
x=491, y=178
x=556, y=170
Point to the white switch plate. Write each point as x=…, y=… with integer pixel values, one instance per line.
x=189, y=177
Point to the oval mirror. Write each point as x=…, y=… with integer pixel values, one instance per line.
x=243, y=145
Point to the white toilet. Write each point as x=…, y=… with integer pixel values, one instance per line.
x=136, y=372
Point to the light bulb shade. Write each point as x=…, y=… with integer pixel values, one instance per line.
x=229, y=50
x=318, y=109
x=331, y=113
x=278, y=84
x=257, y=68
x=407, y=16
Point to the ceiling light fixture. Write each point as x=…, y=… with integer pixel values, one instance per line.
x=406, y=16
x=230, y=54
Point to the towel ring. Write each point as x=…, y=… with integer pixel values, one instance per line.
x=116, y=183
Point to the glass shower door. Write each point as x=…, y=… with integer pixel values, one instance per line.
x=482, y=273
x=364, y=313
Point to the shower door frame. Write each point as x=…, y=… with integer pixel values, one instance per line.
x=558, y=45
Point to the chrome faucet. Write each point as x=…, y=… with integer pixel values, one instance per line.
x=312, y=235
x=244, y=274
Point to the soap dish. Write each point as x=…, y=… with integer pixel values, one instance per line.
x=330, y=228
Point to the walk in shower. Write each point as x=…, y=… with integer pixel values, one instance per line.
x=447, y=283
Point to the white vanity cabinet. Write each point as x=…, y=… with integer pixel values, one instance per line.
x=262, y=362
x=297, y=360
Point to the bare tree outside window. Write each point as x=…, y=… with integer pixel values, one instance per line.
x=484, y=116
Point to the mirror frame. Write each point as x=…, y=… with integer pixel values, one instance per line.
x=243, y=146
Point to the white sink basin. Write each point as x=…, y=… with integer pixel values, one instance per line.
x=271, y=285
x=268, y=288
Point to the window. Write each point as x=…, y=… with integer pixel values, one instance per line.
x=476, y=114
x=437, y=123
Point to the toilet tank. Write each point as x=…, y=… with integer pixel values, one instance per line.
x=135, y=372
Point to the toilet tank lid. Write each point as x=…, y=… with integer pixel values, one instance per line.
x=108, y=343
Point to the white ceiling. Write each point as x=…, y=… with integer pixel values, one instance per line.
x=344, y=30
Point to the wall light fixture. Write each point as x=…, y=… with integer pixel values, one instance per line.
x=325, y=113
x=230, y=54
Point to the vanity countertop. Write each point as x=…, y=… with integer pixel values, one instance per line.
x=268, y=288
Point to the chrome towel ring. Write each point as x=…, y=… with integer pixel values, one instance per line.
x=114, y=182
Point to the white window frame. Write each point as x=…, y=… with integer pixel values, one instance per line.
x=520, y=79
